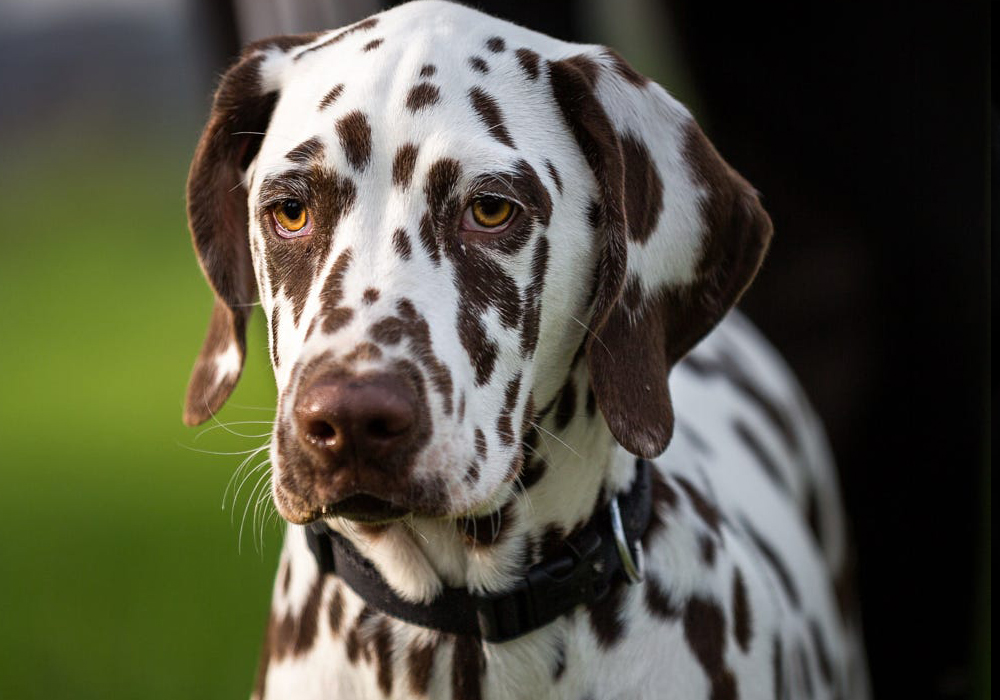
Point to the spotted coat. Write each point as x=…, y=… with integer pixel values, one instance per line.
x=535, y=362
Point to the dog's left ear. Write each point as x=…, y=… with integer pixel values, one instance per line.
x=682, y=236
x=217, y=214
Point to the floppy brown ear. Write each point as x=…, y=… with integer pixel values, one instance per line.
x=683, y=236
x=217, y=216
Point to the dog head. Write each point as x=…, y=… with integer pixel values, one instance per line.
x=438, y=212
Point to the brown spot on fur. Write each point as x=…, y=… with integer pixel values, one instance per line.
x=355, y=138
x=534, y=468
x=566, y=408
x=335, y=613
x=478, y=64
x=427, y=70
x=422, y=95
x=402, y=165
x=336, y=319
x=591, y=403
x=286, y=579
x=359, y=27
x=358, y=639
x=388, y=331
x=495, y=44
x=533, y=297
x=702, y=506
x=420, y=664
x=489, y=112
x=605, y=616
x=370, y=296
x=401, y=243
x=352, y=645
x=693, y=437
x=760, y=453
x=707, y=545
x=419, y=332
x=428, y=240
x=504, y=425
x=294, y=634
x=554, y=174
x=643, y=189
x=529, y=61
x=481, y=350
x=306, y=152
x=482, y=282
x=777, y=565
x=332, y=294
x=275, y=315
x=742, y=617
x=467, y=666
x=813, y=517
x=704, y=629
x=382, y=643
x=471, y=473
x=480, y=444
x=331, y=97
x=626, y=71
x=442, y=181
x=372, y=45
x=805, y=670
x=632, y=295
x=658, y=600
x=822, y=652
x=363, y=351
x=461, y=407
x=559, y=668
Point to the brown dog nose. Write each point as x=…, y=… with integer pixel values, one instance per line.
x=366, y=416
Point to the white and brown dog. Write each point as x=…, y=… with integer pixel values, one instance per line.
x=482, y=253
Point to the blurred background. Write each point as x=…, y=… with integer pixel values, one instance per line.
x=132, y=565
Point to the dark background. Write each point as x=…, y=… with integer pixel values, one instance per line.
x=866, y=128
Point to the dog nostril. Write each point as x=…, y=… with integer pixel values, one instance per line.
x=383, y=428
x=321, y=433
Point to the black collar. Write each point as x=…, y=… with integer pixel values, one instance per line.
x=605, y=551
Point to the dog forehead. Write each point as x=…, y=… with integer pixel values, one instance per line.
x=441, y=76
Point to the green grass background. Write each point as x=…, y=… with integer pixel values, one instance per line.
x=120, y=574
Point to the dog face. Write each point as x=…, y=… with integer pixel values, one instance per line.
x=440, y=217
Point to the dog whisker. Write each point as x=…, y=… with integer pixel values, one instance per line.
x=557, y=438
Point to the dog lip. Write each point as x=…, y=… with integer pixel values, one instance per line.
x=365, y=508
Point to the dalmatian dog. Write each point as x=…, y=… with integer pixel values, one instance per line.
x=497, y=271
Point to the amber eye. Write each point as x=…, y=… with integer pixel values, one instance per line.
x=291, y=215
x=490, y=212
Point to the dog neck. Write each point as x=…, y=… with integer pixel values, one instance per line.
x=568, y=468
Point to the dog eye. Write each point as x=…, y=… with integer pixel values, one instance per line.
x=292, y=218
x=489, y=213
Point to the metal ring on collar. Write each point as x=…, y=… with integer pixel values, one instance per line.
x=633, y=570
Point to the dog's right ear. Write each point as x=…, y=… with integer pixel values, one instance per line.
x=217, y=214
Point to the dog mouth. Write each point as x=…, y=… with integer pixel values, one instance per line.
x=364, y=508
